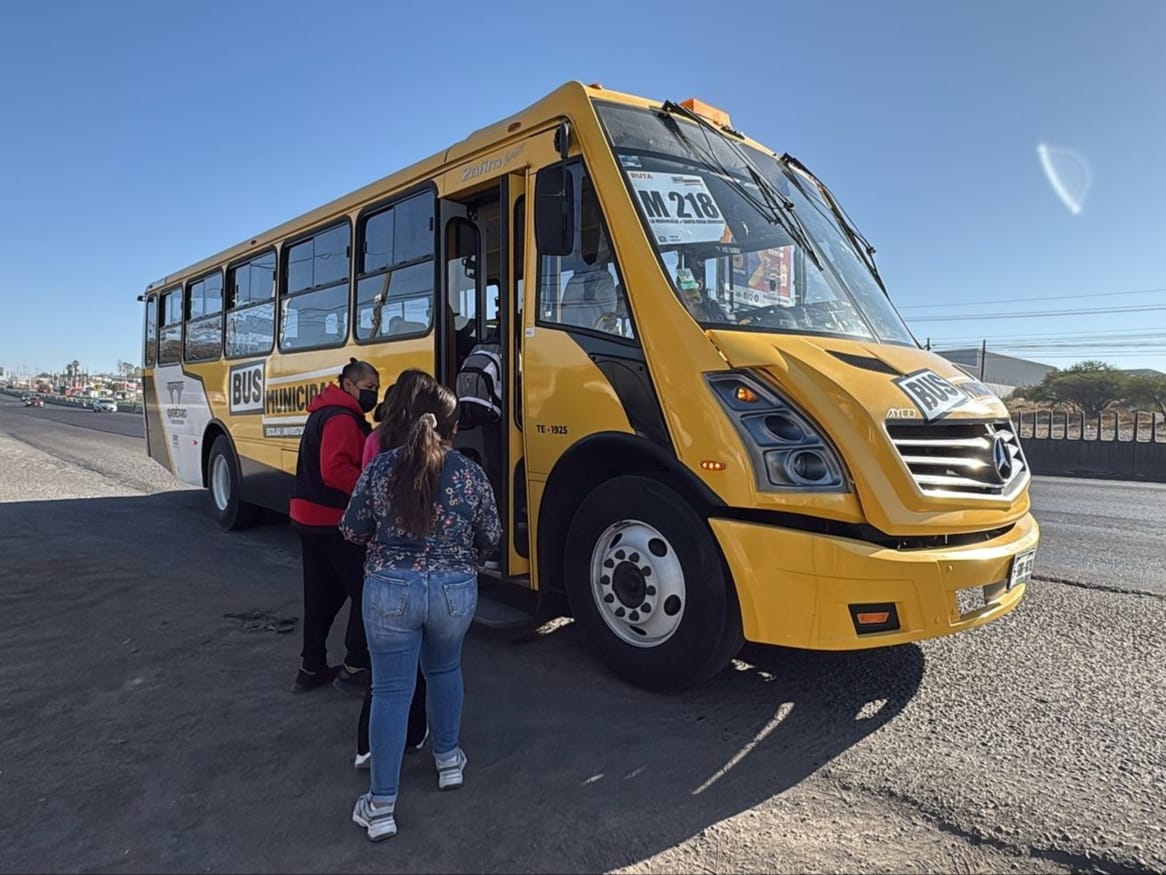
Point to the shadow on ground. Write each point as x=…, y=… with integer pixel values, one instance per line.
x=146, y=730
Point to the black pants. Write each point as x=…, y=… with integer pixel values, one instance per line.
x=418, y=719
x=333, y=574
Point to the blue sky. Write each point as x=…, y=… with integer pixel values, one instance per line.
x=138, y=137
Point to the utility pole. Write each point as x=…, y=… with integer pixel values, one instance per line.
x=983, y=355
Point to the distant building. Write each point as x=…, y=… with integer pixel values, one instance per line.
x=1002, y=373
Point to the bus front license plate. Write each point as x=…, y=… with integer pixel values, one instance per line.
x=1021, y=569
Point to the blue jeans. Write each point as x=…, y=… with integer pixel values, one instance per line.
x=407, y=615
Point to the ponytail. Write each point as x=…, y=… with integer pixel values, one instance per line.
x=416, y=471
x=399, y=407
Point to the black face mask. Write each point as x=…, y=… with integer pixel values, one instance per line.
x=368, y=399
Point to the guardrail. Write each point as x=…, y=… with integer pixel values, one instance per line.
x=1138, y=425
x=66, y=401
x=1119, y=446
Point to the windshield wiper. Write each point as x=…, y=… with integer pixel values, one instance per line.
x=765, y=207
x=865, y=250
x=776, y=207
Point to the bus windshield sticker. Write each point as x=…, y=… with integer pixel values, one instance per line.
x=679, y=207
x=632, y=161
x=934, y=395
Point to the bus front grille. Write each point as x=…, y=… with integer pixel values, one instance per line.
x=961, y=459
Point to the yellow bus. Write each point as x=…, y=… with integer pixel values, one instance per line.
x=716, y=428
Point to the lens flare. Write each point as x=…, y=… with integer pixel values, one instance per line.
x=1068, y=173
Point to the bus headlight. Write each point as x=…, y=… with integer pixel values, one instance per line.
x=788, y=450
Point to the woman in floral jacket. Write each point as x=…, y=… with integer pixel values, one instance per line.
x=426, y=514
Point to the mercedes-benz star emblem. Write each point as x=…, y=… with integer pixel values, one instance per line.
x=1002, y=458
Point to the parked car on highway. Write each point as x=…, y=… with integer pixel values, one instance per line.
x=104, y=405
x=33, y=401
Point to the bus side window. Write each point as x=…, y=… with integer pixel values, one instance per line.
x=150, y=356
x=394, y=270
x=170, y=337
x=314, y=304
x=204, y=318
x=250, y=328
x=583, y=290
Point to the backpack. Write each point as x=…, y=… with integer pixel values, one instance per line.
x=479, y=385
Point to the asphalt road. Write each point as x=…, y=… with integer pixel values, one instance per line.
x=1102, y=533
x=146, y=723
x=128, y=424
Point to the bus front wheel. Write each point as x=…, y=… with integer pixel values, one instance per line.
x=645, y=578
x=223, y=482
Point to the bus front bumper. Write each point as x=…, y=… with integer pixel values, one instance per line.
x=799, y=589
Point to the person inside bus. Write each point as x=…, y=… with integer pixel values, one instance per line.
x=326, y=472
x=690, y=281
x=479, y=387
x=425, y=514
x=590, y=296
x=392, y=418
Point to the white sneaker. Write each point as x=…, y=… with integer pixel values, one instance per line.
x=378, y=821
x=449, y=771
x=362, y=760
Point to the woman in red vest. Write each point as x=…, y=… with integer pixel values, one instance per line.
x=326, y=473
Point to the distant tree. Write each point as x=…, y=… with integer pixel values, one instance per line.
x=1146, y=391
x=1087, y=386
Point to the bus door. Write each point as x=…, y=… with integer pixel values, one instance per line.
x=514, y=227
x=471, y=268
x=482, y=253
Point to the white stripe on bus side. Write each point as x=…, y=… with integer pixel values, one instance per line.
x=296, y=378
x=284, y=420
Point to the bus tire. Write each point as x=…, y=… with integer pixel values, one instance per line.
x=646, y=579
x=223, y=480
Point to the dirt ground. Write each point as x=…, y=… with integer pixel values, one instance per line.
x=147, y=729
x=146, y=724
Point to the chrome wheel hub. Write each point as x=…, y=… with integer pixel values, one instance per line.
x=637, y=583
x=220, y=482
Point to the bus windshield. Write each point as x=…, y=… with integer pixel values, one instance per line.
x=719, y=214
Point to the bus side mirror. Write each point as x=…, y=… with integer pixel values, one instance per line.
x=554, y=201
x=554, y=211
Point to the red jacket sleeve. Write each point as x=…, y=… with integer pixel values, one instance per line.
x=341, y=446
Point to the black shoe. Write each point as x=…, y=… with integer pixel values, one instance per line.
x=306, y=681
x=416, y=740
x=355, y=682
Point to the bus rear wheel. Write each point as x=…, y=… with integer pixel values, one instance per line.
x=223, y=480
x=645, y=578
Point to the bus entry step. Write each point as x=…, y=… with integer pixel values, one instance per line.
x=505, y=605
